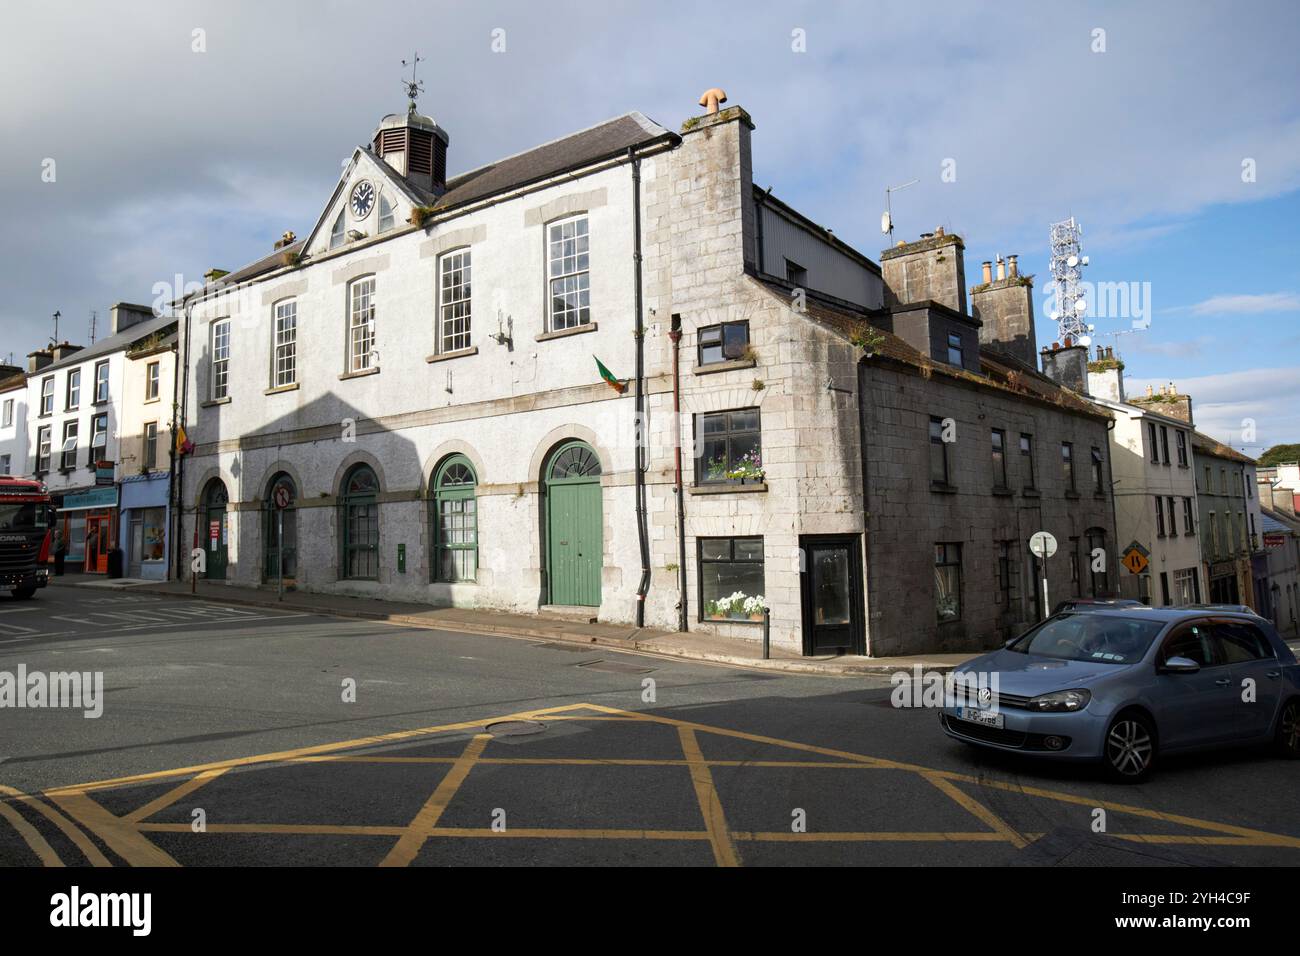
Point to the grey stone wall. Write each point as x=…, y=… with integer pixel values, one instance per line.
x=906, y=518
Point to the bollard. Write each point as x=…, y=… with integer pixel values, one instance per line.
x=767, y=633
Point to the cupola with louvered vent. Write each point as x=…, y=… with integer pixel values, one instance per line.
x=416, y=147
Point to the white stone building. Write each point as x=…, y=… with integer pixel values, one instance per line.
x=420, y=379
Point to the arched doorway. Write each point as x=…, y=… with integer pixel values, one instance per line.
x=276, y=520
x=453, y=521
x=574, y=517
x=359, y=517
x=214, y=530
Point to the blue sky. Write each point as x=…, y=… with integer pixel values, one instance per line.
x=171, y=161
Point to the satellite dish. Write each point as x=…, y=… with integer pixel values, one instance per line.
x=886, y=224
x=1080, y=307
x=1085, y=260
x=1072, y=261
x=1085, y=340
x=1056, y=316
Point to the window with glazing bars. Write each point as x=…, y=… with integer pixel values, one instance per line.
x=569, y=274
x=285, y=371
x=361, y=325
x=220, y=359
x=454, y=302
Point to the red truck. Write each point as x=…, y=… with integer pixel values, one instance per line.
x=26, y=535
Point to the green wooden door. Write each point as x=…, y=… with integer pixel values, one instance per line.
x=215, y=531
x=574, y=516
x=212, y=535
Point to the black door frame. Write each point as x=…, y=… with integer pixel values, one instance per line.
x=857, y=609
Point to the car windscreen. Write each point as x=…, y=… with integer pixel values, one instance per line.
x=23, y=516
x=1099, y=638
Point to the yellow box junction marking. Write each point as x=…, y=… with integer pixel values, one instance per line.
x=126, y=835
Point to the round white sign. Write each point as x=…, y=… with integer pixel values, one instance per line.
x=1042, y=544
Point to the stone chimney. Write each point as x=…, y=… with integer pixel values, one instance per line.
x=62, y=350
x=933, y=267
x=1167, y=401
x=123, y=315
x=1005, y=306
x=1106, y=375
x=9, y=371
x=38, y=360
x=1067, y=365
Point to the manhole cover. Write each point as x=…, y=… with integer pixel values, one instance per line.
x=515, y=728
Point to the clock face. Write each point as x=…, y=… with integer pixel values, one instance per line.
x=363, y=199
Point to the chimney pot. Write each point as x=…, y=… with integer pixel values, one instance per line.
x=988, y=272
x=1002, y=268
x=1012, y=269
x=938, y=230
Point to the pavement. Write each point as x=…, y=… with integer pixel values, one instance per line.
x=241, y=735
x=691, y=645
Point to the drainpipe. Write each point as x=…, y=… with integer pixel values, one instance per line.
x=178, y=461
x=863, y=434
x=643, y=538
x=675, y=336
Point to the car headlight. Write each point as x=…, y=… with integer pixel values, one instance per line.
x=1061, y=700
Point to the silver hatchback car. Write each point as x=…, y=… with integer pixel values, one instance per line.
x=1123, y=686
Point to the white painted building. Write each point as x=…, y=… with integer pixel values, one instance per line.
x=13, y=421
x=420, y=379
x=1155, y=489
x=74, y=398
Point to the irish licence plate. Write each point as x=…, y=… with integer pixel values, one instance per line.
x=986, y=717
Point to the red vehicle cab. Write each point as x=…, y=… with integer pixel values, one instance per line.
x=26, y=535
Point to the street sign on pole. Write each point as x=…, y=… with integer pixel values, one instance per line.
x=281, y=498
x=1042, y=545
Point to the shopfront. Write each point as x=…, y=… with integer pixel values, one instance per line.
x=88, y=520
x=143, y=534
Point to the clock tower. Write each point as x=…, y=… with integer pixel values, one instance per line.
x=413, y=144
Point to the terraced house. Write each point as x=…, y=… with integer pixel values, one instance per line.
x=609, y=377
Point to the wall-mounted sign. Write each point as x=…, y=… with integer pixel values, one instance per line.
x=104, y=472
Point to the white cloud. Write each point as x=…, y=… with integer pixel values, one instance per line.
x=1247, y=304
x=1227, y=405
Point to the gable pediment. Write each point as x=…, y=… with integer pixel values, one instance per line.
x=370, y=199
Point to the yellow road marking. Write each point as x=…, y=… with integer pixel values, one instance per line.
x=331, y=829
x=418, y=832
x=122, y=837
x=125, y=833
x=38, y=844
x=68, y=828
x=715, y=822
x=283, y=755
x=978, y=809
x=171, y=796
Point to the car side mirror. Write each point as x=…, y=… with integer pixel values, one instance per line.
x=1180, y=665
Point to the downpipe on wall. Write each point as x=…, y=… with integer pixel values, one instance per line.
x=643, y=539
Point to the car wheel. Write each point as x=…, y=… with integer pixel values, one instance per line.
x=1130, y=748
x=1287, y=740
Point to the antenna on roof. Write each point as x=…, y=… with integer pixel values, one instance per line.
x=57, y=315
x=887, y=220
x=93, y=316
x=412, y=86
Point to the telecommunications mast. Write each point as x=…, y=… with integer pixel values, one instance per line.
x=1067, y=270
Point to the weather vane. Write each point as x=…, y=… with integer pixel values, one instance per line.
x=413, y=87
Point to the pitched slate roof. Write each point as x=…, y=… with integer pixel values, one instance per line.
x=1001, y=373
x=605, y=140
x=114, y=343
x=1216, y=449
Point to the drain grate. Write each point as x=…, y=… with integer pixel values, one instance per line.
x=572, y=649
x=615, y=667
x=515, y=728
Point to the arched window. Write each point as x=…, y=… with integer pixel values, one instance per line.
x=453, y=520
x=385, y=213
x=360, y=520
x=276, y=519
x=576, y=460
x=337, y=233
